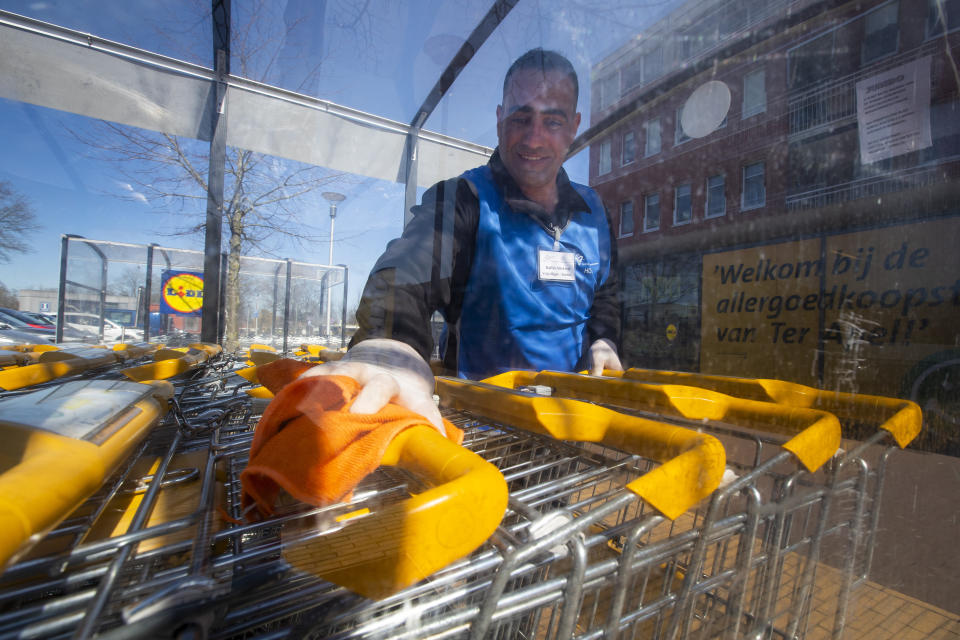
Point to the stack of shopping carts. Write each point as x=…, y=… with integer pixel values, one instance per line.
x=639, y=505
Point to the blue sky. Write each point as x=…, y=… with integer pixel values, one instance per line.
x=383, y=61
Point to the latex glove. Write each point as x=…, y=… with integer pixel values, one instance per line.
x=603, y=355
x=386, y=370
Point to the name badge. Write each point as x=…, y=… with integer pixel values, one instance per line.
x=556, y=266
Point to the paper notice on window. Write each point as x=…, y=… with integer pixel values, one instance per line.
x=893, y=111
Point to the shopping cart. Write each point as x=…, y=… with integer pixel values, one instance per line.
x=578, y=553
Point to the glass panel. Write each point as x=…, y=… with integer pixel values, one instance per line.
x=651, y=212
x=827, y=260
x=626, y=219
x=653, y=138
x=180, y=29
x=716, y=196
x=754, y=93
x=682, y=205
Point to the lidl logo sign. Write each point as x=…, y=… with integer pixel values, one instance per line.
x=182, y=293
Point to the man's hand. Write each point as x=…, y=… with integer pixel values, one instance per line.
x=387, y=370
x=603, y=355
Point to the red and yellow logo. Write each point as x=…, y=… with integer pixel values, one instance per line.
x=183, y=292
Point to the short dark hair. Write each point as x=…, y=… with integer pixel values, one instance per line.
x=544, y=60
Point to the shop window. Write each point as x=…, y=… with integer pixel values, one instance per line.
x=716, y=197
x=626, y=219
x=653, y=138
x=651, y=212
x=604, y=161
x=754, y=193
x=682, y=205
x=880, y=32
x=628, y=148
x=754, y=93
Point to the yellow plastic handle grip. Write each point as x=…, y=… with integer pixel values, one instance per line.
x=378, y=554
x=901, y=418
x=172, y=362
x=816, y=434
x=692, y=463
x=55, y=364
x=47, y=475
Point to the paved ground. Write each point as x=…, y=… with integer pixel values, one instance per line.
x=879, y=613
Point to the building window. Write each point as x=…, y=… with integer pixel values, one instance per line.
x=880, y=32
x=716, y=197
x=754, y=194
x=754, y=93
x=603, y=165
x=628, y=150
x=653, y=138
x=626, y=219
x=609, y=90
x=942, y=14
x=651, y=212
x=811, y=63
x=679, y=135
x=652, y=64
x=682, y=205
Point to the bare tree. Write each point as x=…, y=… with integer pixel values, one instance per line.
x=17, y=221
x=8, y=298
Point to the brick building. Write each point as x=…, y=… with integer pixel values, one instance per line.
x=782, y=177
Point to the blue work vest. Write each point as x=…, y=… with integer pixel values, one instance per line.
x=511, y=319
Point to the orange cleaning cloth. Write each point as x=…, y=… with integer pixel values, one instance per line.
x=309, y=445
x=279, y=373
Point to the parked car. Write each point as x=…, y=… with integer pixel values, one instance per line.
x=13, y=321
x=12, y=335
x=90, y=323
x=31, y=319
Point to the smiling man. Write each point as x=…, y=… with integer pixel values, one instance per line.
x=517, y=259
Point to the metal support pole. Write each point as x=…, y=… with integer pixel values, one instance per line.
x=343, y=309
x=148, y=294
x=62, y=293
x=209, y=327
x=286, y=306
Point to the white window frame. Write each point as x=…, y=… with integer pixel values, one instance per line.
x=605, y=159
x=621, y=233
x=676, y=204
x=646, y=208
x=749, y=110
x=743, y=187
x=647, y=149
x=623, y=148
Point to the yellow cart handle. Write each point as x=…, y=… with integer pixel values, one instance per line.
x=56, y=363
x=816, y=434
x=60, y=447
x=692, y=463
x=379, y=553
x=901, y=418
x=172, y=362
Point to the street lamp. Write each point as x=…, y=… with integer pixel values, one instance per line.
x=333, y=198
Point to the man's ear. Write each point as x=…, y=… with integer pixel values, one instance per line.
x=576, y=122
x=499, y=120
